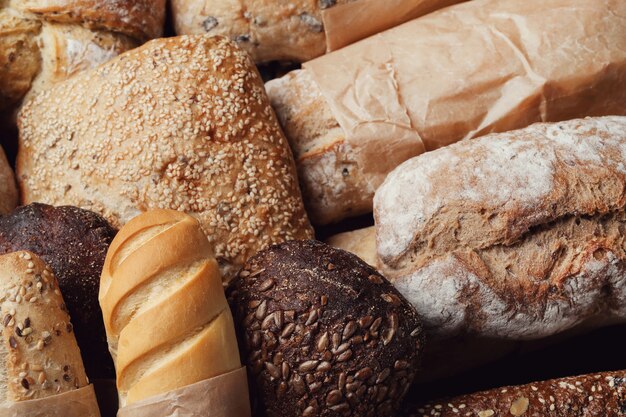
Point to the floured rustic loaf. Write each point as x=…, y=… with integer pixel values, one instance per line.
x=46, y=41
x=516, y=235
x=180, y=123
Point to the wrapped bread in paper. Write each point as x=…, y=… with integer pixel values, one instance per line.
x=471, y=69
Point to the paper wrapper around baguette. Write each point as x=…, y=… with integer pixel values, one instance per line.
x=78, y=403
x=471, y=69
x=349, y=22
x=167, y=320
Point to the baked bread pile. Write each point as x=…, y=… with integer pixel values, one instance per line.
x=46, y=41
x=163, y=251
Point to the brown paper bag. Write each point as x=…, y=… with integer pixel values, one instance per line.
x=78, y=403
x=347, y=23
x=478, y=67
x=223, y=396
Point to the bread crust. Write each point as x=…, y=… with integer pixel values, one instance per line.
x=516, y=235
x=8, y=190
x=39, y=352
x=167, y=320
x=601, y=394
x=201, y=138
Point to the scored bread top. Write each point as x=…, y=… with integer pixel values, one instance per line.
x=39, y=354
x=180, y=123
x=168, y=324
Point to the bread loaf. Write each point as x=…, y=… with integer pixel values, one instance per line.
x=202, y=138
x=353, y=115
x=323, y=333
x=40, y=357
x=45, y=41
x=517, y=235
x=8, y=191
x=361, y=242
x=291, y=31
x=602, y=394
x=167, y=321
x=73, y=242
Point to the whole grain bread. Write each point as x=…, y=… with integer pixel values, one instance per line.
x=73, y=242
x=181, y=123
x=323, y=334
x=517, y=235
x=601, y=394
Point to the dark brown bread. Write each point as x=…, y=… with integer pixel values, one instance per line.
x=594, y=395
x=74, y=243
x=323, y=333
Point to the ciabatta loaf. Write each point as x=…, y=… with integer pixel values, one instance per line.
x=180, y=123
x=517, y=235
x=167, y=321
x=478, y=67
x=39, y=354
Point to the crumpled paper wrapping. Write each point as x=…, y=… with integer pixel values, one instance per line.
x=223, y=396
x=471, y=69
x=350, y=22
x=78, y=403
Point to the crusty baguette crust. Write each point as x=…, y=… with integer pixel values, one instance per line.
x=180, y=123
x=166, y=316
x=594, y=395
x=516, y=235
x=39, y=352
x=8, y=191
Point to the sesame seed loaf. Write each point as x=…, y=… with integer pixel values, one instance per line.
x=594, y=395
x=8, y=191
x=461, y=72
x=45, y=41
x=517, y=235
x=168, y=324
x=180, y=123
x=74, y=243
x=40, y=357
x=323, y=334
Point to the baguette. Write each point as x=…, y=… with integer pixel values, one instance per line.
x=461, y=72
x=602, y=394
x=40, y=357
x=202, y=138
x=8, y=191
x=516, y=236
x=167, y=321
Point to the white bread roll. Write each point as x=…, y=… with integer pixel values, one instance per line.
x=38, y=350
x=167, y=320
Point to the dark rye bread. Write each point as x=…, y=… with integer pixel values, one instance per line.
x=323, y=333
x=594, y=395
x=516, y=235
x=73, y=242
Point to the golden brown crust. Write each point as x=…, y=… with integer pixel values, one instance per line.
x=167, y=320
x=8, y=191
x=40, y=352
x=180, y=123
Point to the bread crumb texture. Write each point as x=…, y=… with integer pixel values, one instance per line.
x=180, y=123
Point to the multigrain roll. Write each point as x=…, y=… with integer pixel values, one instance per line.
x=323, y=333
x=602, y=394
x=74, y=243
x=168, y=324
x=8, y=190
x=45, y=41
x=180, y=123
x=39, y=355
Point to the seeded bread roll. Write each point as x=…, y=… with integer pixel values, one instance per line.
x=323, y=333
x=602, y=394
x=74, y=243
x=471, y=69
x=45, y=41
x=516, y=235
x=202, y=138
x=168, y=324
x=8, y=191
x=40, y=357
